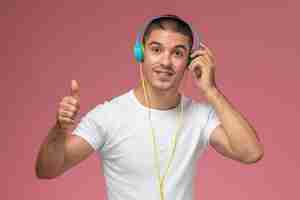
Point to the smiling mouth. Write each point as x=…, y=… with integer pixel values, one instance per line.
x=164, y=73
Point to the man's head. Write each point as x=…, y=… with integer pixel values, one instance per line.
x=167, y=44
x=171, y=23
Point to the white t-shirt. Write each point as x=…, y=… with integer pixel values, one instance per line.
x=119, y=130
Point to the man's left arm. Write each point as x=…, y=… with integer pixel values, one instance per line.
x=235, y=138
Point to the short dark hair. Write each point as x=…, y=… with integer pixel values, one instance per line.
x=169, y=22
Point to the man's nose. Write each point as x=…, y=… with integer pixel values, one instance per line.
x=166, y=59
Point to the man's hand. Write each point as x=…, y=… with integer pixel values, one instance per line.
x=69, y=107
x=203, y=69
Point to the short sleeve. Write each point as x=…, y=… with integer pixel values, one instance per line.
x=211, y=123
x=92, y=127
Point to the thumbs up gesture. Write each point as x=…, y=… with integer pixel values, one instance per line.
x=69, y=107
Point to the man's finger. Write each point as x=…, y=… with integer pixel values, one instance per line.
x=75, y=89
x=197, y=53
x=207, y=49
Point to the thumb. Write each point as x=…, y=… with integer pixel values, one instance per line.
x=75, y=89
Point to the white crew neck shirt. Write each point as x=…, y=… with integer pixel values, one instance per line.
x=119, y=131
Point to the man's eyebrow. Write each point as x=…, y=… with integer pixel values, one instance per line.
x=155, y=43
x=181, y=46
x=177, y=46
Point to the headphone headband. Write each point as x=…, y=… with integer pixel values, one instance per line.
x=145, y=26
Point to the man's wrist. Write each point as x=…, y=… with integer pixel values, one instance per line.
x=58, y=128
x=211, y=94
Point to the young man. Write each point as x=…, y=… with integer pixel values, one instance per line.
x=133, y=133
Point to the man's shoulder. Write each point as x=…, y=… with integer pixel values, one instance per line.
x=197, y=107
x=120, y=98
x=112, y=104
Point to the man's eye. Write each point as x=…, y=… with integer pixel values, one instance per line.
x=178, y=53
x=155, y=50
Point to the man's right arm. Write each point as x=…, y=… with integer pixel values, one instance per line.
x=60, y=150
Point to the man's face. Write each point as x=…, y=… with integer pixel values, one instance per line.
x=166, y=58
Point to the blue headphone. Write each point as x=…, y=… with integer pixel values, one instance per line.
x=139, y=47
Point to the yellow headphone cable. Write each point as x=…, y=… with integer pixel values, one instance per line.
x=179, y=120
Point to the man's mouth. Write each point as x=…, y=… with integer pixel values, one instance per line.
x=164, y=73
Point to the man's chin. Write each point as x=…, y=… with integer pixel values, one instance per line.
x=164, y=87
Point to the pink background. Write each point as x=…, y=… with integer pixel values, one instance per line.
x=45, y=44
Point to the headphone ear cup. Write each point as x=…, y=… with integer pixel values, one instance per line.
x=189, y=59
x=139, y=52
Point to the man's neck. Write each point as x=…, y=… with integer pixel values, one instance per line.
x=161, y=100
